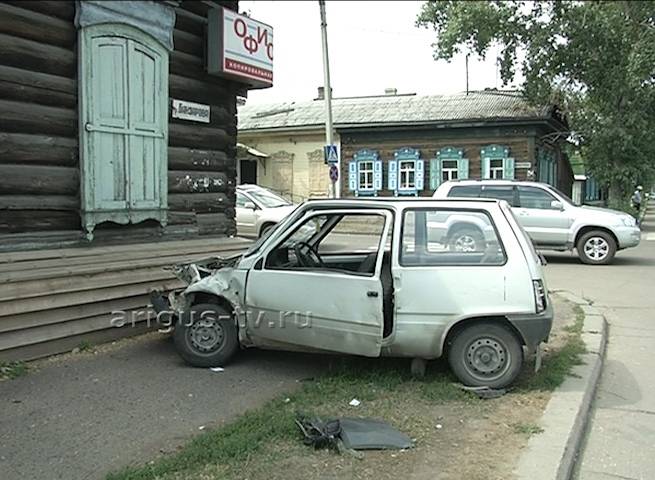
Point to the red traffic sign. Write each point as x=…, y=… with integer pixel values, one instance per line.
x=334, y=173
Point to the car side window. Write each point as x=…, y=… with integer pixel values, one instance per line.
x=532, y=197
x=499, y=193
x=241, y=200
x=435, y=237
x=467, y=191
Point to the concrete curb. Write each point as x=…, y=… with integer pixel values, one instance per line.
x=552, y=454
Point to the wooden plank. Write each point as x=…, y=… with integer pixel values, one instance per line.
x=196, y=136
x=36, y=26
x=22, y=321
x=181, y=218
x=20, y=221
x=66, y=344
x=22, y=117
x=34, y=241
x=35, y=56
x=38, y=202
x=212, y=223
x=38, y=180
x=54, y=83
x=188, y=42
x=192, y=182
x=66, y=299
x=38, y=149
x=56, y=8
x=184, y=158
x=194, y=90
x=200, y=202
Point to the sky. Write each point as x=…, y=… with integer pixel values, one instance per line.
x=372, y=46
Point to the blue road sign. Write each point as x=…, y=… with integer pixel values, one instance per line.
x=330, y=154
x=334, y=173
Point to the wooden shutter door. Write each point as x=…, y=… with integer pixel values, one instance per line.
x=147, y=132
x=106, y=172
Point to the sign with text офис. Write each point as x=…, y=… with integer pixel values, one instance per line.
x=239, y=48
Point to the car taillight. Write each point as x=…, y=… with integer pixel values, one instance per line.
x=539, y=295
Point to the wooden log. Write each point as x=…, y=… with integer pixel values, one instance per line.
x=189, y=22
x=182, y=158
x=196, y=182
x=181, y=218
x=38, y=180
x=197, y=7
x=215, y=223
x=39, y=202
x=189, y=43
x=38, y=149
x=31, y=55
x=194, y=90
x=56, y=8
x=36, y=26
x=30, y=118
x=196, y=136
x=200, y=202
x=19, y=221
x=34, y=87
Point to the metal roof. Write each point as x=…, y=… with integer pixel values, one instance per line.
x=392, y=110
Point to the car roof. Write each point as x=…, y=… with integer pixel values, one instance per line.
x=491, y=181
x=401, y=202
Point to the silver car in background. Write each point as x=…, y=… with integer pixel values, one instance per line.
x=258, y=210
x=551, y=218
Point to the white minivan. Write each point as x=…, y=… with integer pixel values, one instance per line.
x=374, y=277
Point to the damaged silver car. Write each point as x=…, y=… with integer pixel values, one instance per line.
x=375, y=278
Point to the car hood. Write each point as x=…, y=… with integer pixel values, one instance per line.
x=600, y=210
x=278, y=213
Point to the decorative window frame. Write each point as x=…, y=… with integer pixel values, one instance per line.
x=354, y=170
x=446, y=154
x=406, y=154
x=547, y=167
x=496, y=152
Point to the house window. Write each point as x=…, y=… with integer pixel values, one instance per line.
x=496, y=168
x=449, y=170
x=366, y=175
x=407, y=171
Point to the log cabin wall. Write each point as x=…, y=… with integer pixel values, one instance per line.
x=39, y=150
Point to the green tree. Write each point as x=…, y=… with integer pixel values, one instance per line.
x=595, y=60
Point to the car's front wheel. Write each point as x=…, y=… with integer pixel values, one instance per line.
x=206, y=336
x=486, y=354
x=596, y=248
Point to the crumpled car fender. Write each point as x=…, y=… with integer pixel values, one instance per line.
x=220, y=284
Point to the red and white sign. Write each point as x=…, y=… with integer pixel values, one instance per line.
x=240, y=48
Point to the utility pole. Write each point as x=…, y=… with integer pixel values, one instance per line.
x=328, y=95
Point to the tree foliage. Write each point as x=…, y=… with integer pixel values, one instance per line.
x=595, y=60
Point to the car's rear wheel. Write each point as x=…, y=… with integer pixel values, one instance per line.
x=486, y=354
x=596, y=248
x=206, y=336
x=466, y=240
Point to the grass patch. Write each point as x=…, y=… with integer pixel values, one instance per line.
x=85, y=346
x=527, y=428
x=12, y=370
x=368, y=380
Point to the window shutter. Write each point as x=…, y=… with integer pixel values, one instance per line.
x=435, y=173
x=419, y=174
x=393, y=176
x=508, y=168
x=486, y=168
x=463, y=168
x=377, y=175
x=352, y=176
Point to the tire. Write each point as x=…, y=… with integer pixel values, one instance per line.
x=265, y=229
x=596, y=248
x=486, y=354
x=466, y=239
x=206, y=336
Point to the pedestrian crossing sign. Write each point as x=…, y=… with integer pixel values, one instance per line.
x=330, y=154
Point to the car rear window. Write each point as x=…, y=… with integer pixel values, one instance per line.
x=465, y=191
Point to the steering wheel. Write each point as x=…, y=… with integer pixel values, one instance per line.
x=311, y=259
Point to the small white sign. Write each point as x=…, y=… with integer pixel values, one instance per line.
x=523, y=165
x=194, y=112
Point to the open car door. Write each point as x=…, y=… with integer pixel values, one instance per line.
x=297, y=298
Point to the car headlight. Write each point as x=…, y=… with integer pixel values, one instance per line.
x=628, y=221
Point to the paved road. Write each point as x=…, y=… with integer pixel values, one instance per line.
x=82, y=417
x=621, y=436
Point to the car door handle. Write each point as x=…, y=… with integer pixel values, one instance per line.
x=372, y=294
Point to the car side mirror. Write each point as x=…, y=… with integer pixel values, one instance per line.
x=249, y=206
x=556, y=205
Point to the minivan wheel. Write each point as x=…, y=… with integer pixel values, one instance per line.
x=206, y=336
x=466, y=240
x=596, y=248
x=486, y=354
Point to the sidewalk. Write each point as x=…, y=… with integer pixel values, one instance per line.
x=81, y=416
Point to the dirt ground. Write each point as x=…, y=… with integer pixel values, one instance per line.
x=461, y=439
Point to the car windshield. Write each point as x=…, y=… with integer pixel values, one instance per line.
x=564, y=196
x=268, y=199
